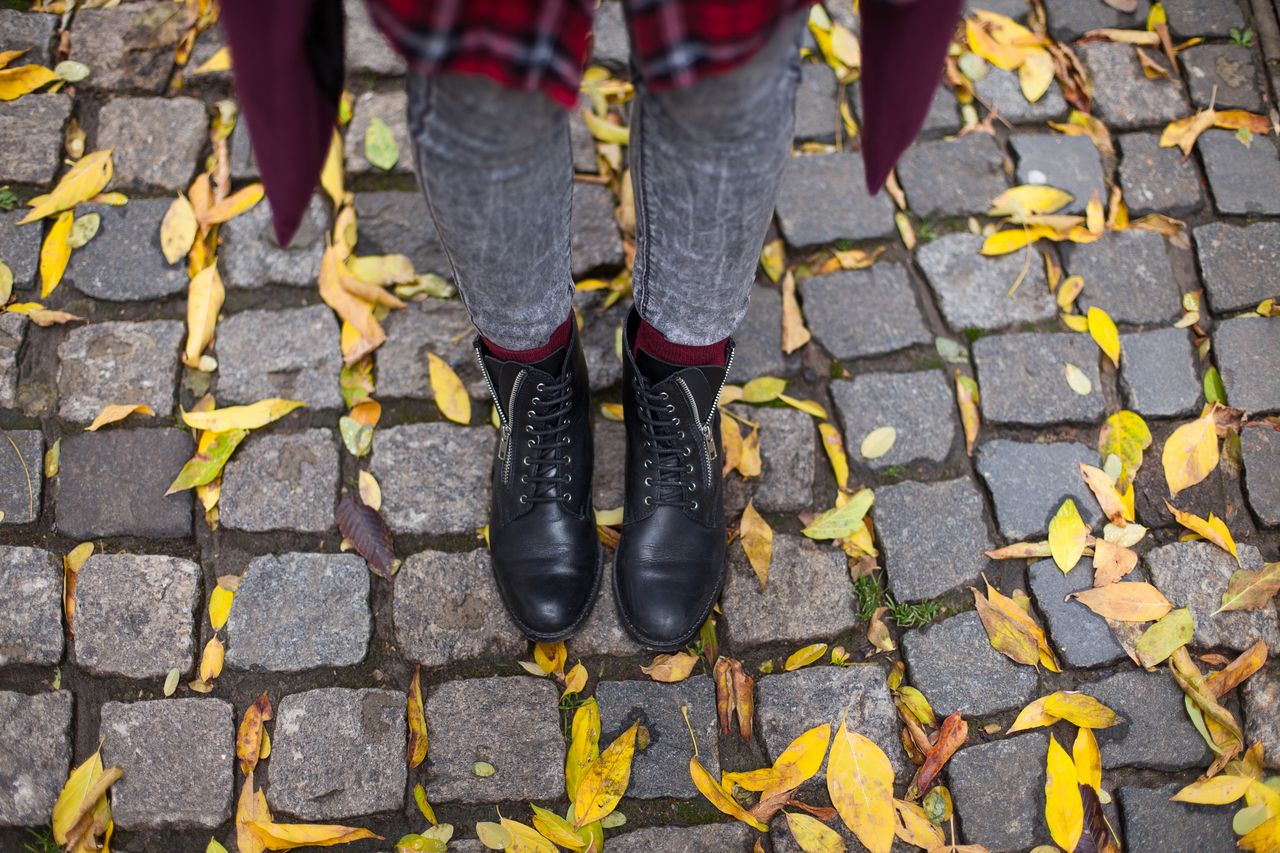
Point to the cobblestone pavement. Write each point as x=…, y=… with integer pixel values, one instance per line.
x=336, y=646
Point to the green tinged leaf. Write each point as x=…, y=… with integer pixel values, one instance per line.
x=356, y=436
x=841, y=521
x=380, y=147
x=1168, y=634
x=1214, y=390
x=205, y=467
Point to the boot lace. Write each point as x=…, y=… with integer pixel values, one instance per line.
x=665, y=439
x=547, y=459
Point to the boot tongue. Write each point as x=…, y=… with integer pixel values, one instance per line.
x=703, y=381
x=655, y=369
x=552, y=364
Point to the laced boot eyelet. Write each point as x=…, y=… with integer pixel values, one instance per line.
x=648, y=481
x=692, y=486
x=688, y=469
x=541, y=387
x=693, y=506
x=648, y=501
x=524, y=499
x=568, y=478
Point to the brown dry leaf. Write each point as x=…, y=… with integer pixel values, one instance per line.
x=1020, y=551
x=1125, y=601
x=1249, y=590
x=757, y=542
x=350, y=308
x=1190, y=453
x=878, y=631
x=367, y=532
x=951, y=736
x=671, y=668
x=1233, y=674
x=1111, y=562
x=1104, y=489
x=794, y=332
x=417, y=720
x=117, y=412
x=1005, y=634
x=249, y=737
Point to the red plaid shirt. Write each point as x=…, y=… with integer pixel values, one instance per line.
x=542, y=45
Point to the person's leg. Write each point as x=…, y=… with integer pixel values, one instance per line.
x=705, y=166
x=496, y=169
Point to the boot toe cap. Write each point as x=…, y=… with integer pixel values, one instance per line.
x=548, y=602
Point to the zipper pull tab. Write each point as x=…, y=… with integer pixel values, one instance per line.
x=711, y=444
x=504, y=443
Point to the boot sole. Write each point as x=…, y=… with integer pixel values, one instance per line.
x=576, y=625
x=684, y=639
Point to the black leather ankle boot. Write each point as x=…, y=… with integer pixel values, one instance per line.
x=542, y=532
x=670, y=563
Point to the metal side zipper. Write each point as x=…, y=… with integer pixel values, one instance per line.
x=708, y=439
x=504, y=442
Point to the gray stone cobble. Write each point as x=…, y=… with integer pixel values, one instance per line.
x=1244, y=178
x=790, y=703
x=31, y=623
x=758, y=340
x=118, y=362
x=407, y=460
x=337, y=753
x=817, y=116
x=1151, y=490
x=21, y=480
x=1189, y=18
x=124, y=263
x=368, y=52
x=1128, y=275
x=1156, y=179
x=207, y=44
x=125, y=47
x=602, y=633
x=601, y=343
x=787, y=447
x=973, y=290
x=1238, y=263
x=822, y=198
x=1070, y=19
x=717, y=837
x=296, y=611
x=1261, y=696
x=252, y=257
x=135, y=614
x=661, y=769
x=1003, y=818
x=1022, y=380
x=1154, y=822
x=1029, y=481
x=31, y=137
x=610, y=37
x=952, y=177
x=446, y=609
x=594, y=242
x=156, y=142
x=35, y=755
x=1123, y=96
x=581, y=141
x=438, y=326
x=881, y=298
x=1158, y=373
x=1155, y=732
x=1247, y=349
x=1070, y=163
x=1261, y=451
x=1195, y=575
x=13, y=329
x=919, y=406
x=1225, y=75
x=1081, y=637
x=302, y=363
x=20, y=250
x=943, y=115
x=937, y=654
x=113, y=483
x=29, y=31
x=177, y=756
x=243, y=165
x=933, y=536
x=398, y=222
x=609, y=444
x=808, y=595
x=282, y=481
x=390, y=107
x=1000, y=89
x=509, y=722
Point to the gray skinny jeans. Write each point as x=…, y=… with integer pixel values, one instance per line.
x=497, y=171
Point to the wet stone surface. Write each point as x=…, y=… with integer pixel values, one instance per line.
x=1152, y=821
x=889, y=319
x=1123, y=96
x=119, y=47
x=20, y=248
x=1226, y=75
x=1261, y=451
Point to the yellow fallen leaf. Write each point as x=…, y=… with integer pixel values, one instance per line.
x=23, y=79
x=1012, y=239
x=1111, y=562
x=287, y=836
x=220, y=601
x=1143, y=38
x=763, y=389
x=1033, y=716
x=331, y=173
x=178, y=229
x=575, y=680
x=773, y=258
x=795, y=333
x=211, y=660
x=605, y=780
x=233, y=205
x=981, y=42
x=1184, y=132
x=205, y=295
x=809, y=407
x=1213, y=529
x=450, y=393
x=605, y=130
x=82, y=181
x=250, y=809
x=1094, y=221
x=54, y=253
x=1125, y=601
x=1035, y=74
x=370, y=491
x=78, y=796
x=805, y=656
x=915, y=828
x=671, y=668
x=860, y=782
x=1087, y=759
x=1020, y=614
x=1067, y=536
x=555, y=828
x=250, y=739
x=719, y=797
x=757, y=542
x=1190, y=454
x=1076, y=380
x=967, y=397
x=878, y=442
x=417, y=720
x=1029, y=200
x=550, y=657
x=833, y=444
x=1217, y=791
x=812, y=835
x=117, y=412
x=1103, y=331
x=1080, y=709
x=219, y=61
x=252, y=416
x=1104, y=490
x=1063, y=806
x=1006, y=634
x=349, y=307
x=800, y=761
x=584, y=745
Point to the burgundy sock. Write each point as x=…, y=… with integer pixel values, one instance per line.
x=559, y=340
x=656, y=344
